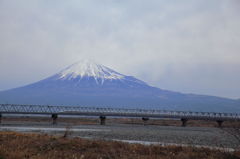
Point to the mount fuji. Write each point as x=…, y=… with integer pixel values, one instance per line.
x=87, y=83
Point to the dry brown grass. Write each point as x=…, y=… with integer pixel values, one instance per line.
x=35, y=146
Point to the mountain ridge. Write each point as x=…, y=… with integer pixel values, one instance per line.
x=90, y=84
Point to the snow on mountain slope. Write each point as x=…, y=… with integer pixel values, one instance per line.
x=90, y=69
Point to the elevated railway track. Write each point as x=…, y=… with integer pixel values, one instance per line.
x=145, y=114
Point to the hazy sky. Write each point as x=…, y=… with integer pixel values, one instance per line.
x=182, y=45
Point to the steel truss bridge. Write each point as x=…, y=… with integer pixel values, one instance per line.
x=145, y=114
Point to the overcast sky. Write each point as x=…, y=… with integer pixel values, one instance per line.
x=182, y=45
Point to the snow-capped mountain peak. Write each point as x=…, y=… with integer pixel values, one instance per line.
x=87, y=83
x=88, y=68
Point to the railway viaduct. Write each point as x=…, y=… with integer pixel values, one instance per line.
x=102, y=113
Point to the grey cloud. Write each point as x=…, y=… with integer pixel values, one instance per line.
x=188, y=46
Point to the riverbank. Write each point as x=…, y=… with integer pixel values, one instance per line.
x=41, y=146
x=168, y=135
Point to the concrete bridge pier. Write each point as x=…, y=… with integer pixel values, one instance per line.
x=54, y=119
x=144, y=119
x=184, y=122
x=219, y=123
x=102, y=120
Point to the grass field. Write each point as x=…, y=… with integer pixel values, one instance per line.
x=35, y=146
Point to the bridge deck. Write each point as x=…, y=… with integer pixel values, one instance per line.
x=94, y=111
